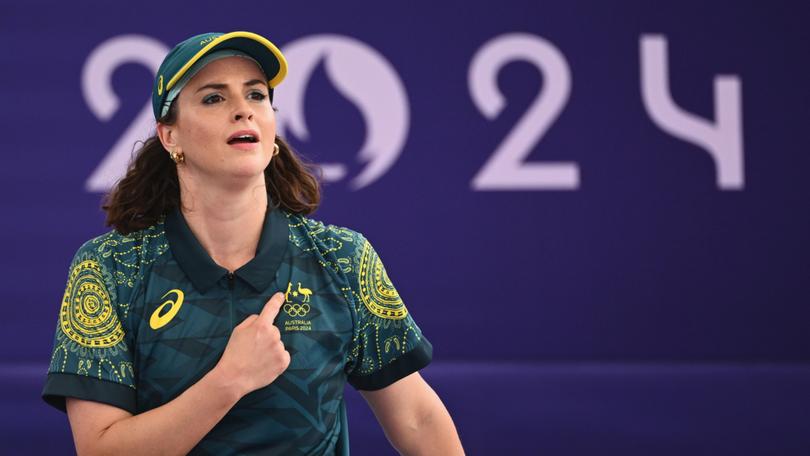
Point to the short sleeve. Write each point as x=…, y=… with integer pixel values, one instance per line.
x=387, y=345
x=91, y=357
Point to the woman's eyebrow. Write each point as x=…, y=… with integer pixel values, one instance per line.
x=220, y=86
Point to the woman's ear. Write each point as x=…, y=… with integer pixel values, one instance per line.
x=167, y=135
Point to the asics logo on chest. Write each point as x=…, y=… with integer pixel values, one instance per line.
x=166, y=311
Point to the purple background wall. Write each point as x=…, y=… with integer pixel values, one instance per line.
x=650, y=298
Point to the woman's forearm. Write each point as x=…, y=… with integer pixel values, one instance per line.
x=173, y=428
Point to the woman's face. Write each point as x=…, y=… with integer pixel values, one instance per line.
x=227, y=99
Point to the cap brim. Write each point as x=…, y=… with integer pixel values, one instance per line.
x=263, y=51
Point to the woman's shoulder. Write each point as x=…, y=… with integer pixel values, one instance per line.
x=329, y=239
x=123, y=255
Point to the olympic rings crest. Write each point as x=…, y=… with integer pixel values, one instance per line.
x=296, y=310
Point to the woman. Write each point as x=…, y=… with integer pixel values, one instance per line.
x=216, y=318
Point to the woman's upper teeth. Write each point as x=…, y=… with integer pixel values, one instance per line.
x=250, y=138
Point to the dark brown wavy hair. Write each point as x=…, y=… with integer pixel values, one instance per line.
x=150, y=189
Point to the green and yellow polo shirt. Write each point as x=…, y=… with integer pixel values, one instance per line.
x=146, y=315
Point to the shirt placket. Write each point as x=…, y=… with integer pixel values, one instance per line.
x=231, y=288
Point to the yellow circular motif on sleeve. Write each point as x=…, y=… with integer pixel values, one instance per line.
x=376, y=290
x=87, y=316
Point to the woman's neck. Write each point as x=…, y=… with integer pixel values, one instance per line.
x=227, y=222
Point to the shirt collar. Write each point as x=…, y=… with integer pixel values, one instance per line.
x=203, y=272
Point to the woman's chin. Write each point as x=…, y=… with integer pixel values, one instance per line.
x=246, y=173
x=237, y=175
x=248, y=167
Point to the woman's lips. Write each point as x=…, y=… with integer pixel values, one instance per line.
x=245, y=145
x=239, y=133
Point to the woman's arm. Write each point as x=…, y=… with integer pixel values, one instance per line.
x=254, y=357
x=174, y=428
x=414, y=418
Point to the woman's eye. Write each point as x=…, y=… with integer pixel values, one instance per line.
x=213, y=98
x=258, y=96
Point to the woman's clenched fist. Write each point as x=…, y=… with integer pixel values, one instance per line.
x=255, y=355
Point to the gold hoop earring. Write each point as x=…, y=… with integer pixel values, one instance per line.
x=177, y=157
x=275, y=149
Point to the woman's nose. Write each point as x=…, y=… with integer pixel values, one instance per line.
x=243, y=109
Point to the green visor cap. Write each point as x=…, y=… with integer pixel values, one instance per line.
x=185, y=54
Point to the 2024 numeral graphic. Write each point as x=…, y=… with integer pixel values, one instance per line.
x=506, y=168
